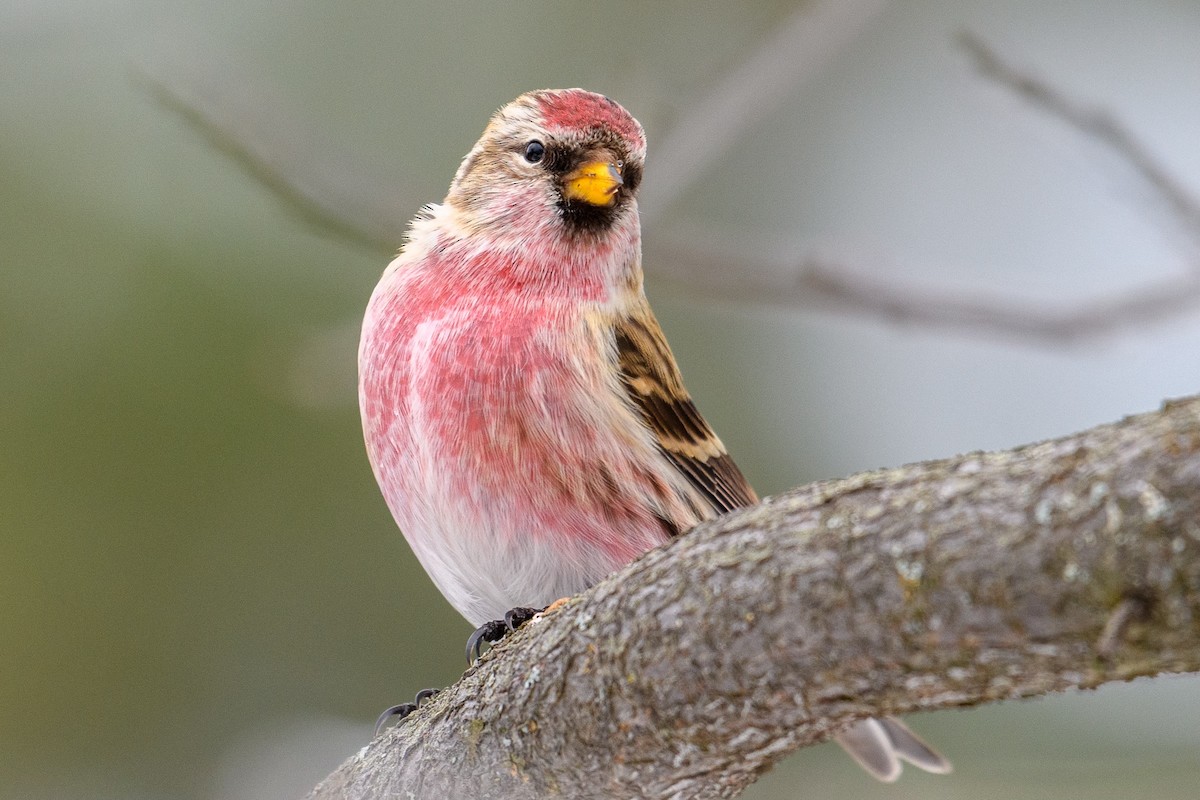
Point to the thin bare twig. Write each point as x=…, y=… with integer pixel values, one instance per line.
x=825, y=286
x=253, y=129
x=1128, y=308
x=1098, y=124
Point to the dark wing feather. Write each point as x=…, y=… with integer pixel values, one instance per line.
x=652, y=379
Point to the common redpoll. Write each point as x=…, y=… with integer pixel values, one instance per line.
x=523, y=414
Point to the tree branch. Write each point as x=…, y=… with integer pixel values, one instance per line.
x=838, y=288
x=1063, y=564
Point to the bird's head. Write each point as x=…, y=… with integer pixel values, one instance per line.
x=553, y=161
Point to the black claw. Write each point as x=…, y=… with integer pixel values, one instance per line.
x=516, y=617
x=487, y=632
x=402, y=710
x=497, y=629
x=398, y=711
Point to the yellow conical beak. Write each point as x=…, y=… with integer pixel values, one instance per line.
x=595, y=183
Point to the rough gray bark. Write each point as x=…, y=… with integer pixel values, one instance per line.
x=950, y=583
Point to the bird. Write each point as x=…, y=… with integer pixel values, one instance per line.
x=523, y=414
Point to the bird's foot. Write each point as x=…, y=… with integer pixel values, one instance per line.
x=397, y=713
x=497, y=629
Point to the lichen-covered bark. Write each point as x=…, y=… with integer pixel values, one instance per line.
x=950, y=583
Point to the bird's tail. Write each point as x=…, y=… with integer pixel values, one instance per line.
x=879, y=745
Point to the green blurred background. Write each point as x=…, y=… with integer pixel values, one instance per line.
x=202, y=594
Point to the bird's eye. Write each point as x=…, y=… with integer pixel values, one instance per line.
x=535, y=151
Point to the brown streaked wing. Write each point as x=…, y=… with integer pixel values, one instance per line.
x=652, y=379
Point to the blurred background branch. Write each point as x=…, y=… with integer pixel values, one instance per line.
x=345, y=200
x=245, y=121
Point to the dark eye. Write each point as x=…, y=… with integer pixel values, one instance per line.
x=535, y=151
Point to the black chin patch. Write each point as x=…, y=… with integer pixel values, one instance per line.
x=582, y=217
